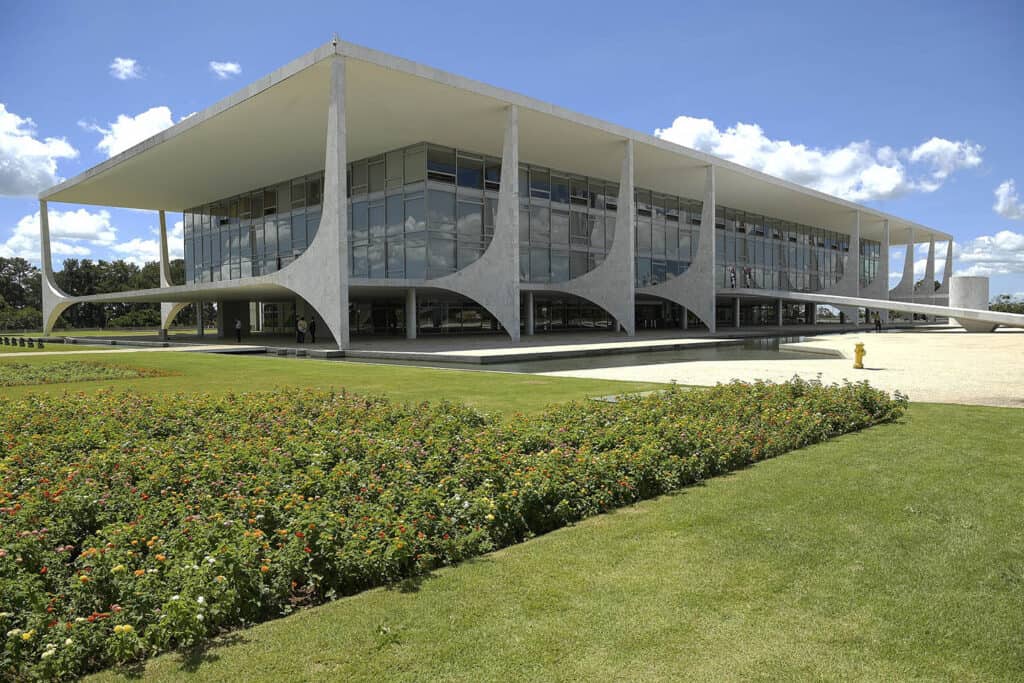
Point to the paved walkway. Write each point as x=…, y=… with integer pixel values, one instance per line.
x=938, y=365
x=208, y=348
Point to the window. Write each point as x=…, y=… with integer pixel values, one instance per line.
x=441, y=164
x=559, y=189
x=440, y=211
x=471, y=172
x=395, y=215
x=470, y=222
x=559, y=227
x=377, y=174
x=415, y=165
x=492, y=174
x=540, y=228
x=540, y=183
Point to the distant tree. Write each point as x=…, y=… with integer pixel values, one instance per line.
x=19, y=283
x=920, y=285
x=1005, y=303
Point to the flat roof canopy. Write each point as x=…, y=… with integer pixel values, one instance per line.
x=275, y=130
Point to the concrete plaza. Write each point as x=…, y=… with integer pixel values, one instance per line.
x=940, y=365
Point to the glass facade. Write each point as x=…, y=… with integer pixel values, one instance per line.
x=420, y=212
x=426, y=211
x=667, y=232
x=253, y=233
x=758, y=252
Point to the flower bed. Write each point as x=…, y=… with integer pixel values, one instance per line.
x=133, y=524
x=16, y=374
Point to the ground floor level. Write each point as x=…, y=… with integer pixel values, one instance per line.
x=415, y=313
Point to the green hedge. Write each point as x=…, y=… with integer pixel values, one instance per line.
x=133, y=524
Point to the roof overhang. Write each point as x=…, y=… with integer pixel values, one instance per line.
x=275, y=129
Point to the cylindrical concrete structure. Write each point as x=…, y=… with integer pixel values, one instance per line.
x=970, y=292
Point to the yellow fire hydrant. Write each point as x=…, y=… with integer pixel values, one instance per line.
x=858, y=356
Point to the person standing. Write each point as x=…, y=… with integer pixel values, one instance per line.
x=312, y=330
x=238, y=330
x=300, y=330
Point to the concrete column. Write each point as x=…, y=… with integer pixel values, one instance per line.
x=812, y=314
x=696, y=288
x=493, y=279
x=736, y=312
x=410, y=313
x=882, y=289
x=200, y=327
x=928, y=287
x=168, y=311
x=530, y=324
x=686, y=318
x=55, y=301
x=778, y=312
x=322, y=277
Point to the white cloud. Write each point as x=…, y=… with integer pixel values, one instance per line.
x=68, y=229
x=123, y=68
x=128, y=131
x=999, y=254
x=1008, y=203
x=857, y=171
x=28, y=165
x=225, y=69
x=141, y=252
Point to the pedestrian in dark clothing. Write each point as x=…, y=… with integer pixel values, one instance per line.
x=300, y=330
x=238, y=331
x=312, y=330
x=878, y=323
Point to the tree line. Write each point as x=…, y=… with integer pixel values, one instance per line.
x=21, y=294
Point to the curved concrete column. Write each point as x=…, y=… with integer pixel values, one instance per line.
x=493, y=279
x=928, y=284
x=612, y=285
x=947, y=273
x=695, y=289
x=878, y=288
x=320, y=274
x=55, y=301
x=170, y=311
x=849, y=283
x=970, y=292
x=904, y=289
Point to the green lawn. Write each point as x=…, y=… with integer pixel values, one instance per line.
x=489, y=391
x=891, y=554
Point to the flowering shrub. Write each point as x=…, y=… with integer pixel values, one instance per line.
x=15, y=374
x=133, y=524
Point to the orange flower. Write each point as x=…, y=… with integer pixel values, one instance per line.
x=160, y=557
x=264, y=568
x=139, y=572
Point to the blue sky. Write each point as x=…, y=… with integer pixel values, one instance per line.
x=912, y=107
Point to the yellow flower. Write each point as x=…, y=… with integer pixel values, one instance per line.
x=118, y=568
x=490, y=518
x=27, y=635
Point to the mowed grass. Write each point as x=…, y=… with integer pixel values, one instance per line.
x=891, y=554
x=200, y=372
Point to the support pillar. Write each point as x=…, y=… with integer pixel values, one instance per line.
x=928, y=286
x=778, y=312
x=200, y=326
x=736, y=312
x=410, y=313
x=55, y=301
x=686, y=318
x=322, y=281
x=812, y=314
x=529, y=314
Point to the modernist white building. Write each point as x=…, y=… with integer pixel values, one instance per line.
x=381, y=196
